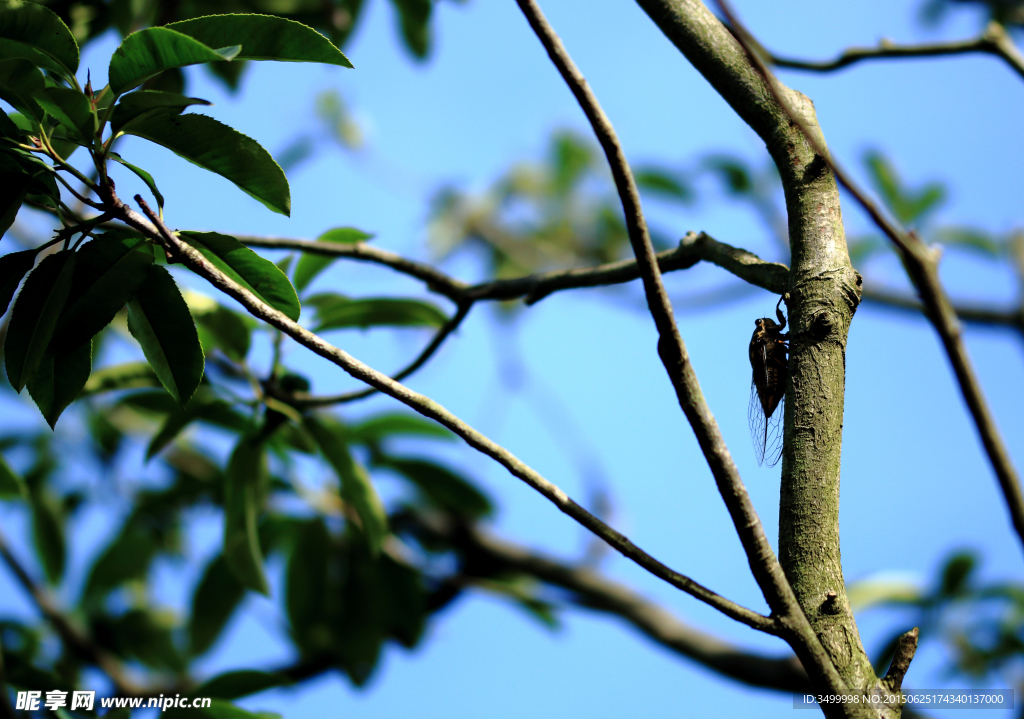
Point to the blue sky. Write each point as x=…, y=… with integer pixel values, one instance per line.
x=594, y=400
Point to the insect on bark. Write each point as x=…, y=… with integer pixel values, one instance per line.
x=769, y=360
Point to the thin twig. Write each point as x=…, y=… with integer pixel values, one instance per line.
x=77, y=641
x=994, y=41
x=435, y=279
x=307, y=400
x=973, y=314
x=763, y=563
x=195, y=261
x=922, y=265
x=693, y=248
x=906, y=647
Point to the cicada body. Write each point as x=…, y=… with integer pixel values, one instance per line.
x=769, y=360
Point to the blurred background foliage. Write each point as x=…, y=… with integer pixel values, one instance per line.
x=344, y=593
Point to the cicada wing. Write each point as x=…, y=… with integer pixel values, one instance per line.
x=773, y=435
x=758, y=423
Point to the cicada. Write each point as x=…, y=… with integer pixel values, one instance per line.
x=769, y=360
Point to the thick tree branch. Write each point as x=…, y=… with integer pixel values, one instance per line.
x=922, y=265
x=763, y=563
x=77, y=641
x=195, y=261
x=994, y=41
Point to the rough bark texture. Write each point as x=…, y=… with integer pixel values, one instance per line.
x=824, y=293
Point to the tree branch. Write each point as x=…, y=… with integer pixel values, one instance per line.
x=922, y=265
x=76, y=640
x=305, y=399
x=974, y=314
x=594, y=591
x=693, y=248
x=994, y=41
x=765, y=567
x=196, y=262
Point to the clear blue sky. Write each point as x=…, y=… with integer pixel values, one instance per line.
x=595, y=401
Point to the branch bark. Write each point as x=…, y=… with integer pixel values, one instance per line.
x=824, y=293
x=994, y=41
x=156, y=230
x=765, y=567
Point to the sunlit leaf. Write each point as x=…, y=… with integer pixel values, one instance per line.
x=263, y=37
x=248, y=269
x=71, y=108
x=310, y=265
x=220, y=149
x=142, y=175
x=39, y=28
x=148, y=52
x=340, y=312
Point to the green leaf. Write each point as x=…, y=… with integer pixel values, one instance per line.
x=237, y=684
x=127, y=558
x=32, y=25
x=35, y=316
x=443, y=487
x=342, y=312
x=215, y=600
x=142, y=175
x=20, y=80
x=159, y=319
x=244, y=487
x=356, y=487
x=71, y=108
x=141, y=102
x=16, y=181
x=255, y=273
x=414, y=21
x=48, y=534
x=665, y=184
x=263, y=37
x=310, y=265
x=226, y=330
x=388, y=424
x=956, y=574
x=13, y=268
x=59, y=380
x=149, y=52
x=8, y=128
x=970, y=238
x=218, y=148
x=308, y=596
x=127, y=375
x=205, y=407
x=109, y=271
x=12, y=486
